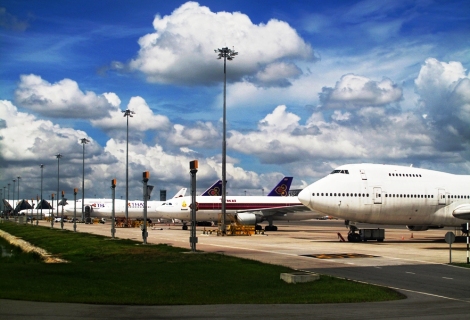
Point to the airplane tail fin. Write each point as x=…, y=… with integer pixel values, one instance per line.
x=214, y=190
x=282, y=188
x=7, y=205
x=180, y=193
x=149, y=190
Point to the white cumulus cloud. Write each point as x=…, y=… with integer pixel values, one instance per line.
x=143, y=118
x=62, y=99
x=181, y=50
x=357, y=91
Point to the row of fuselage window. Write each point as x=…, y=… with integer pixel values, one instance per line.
x=366, y=195
x=404, y=175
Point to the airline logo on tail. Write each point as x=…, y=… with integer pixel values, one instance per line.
x=214, y=190
x=282, y=188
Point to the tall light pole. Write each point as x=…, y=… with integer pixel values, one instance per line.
x=3, y=202
x=18, y=190
x=83, y=141
x=42, y=167
x=58, y=156
x=9, y=196
x=127, y=113
x=227, y=54
x=13, y=193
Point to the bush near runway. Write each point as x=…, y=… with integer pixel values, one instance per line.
x=104, y=271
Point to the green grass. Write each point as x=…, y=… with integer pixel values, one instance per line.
x=464, y=265
x=105, y=271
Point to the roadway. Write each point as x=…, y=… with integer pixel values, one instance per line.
x=414, y=263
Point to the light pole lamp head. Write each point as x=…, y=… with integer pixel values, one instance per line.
x=84, y=141
x=128, y=113
x=41, y=166
x=146, y=176
x=227, y=53
x=58, y=156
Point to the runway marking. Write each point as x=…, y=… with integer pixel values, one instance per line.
x=410, y=272
x=396, y=288
x=447, y=278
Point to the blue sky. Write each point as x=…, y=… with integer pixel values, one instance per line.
x=315, y=85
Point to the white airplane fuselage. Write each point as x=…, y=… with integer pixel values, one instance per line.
x=102, y=208
x=210, y=208
x=389, y=194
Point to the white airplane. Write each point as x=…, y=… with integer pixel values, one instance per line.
x=102, y=208
x=388, y=194
x=246, y=210
x=47, y=210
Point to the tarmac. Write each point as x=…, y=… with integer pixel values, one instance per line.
x=414, y=263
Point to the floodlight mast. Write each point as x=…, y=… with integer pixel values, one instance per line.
x=127, y=113
x=226, y=54
x=58, y=156
x=83, y=141
x=13, y=201
x=18, y=189
x=42, y=167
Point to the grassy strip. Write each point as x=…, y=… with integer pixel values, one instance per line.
x=104, y=271
x=464, y=265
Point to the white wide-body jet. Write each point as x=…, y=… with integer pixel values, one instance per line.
x=390, y=194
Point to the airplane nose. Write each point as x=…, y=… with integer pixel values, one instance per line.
x=304, y=197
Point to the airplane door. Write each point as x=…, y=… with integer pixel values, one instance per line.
x=363, y=175
x=377, y=195
x=441, y=194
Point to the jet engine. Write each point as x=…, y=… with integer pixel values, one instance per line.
x=422, y=228
x=417, y=228
x=247, y=218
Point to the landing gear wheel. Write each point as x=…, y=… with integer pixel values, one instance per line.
x=185, y=227
x=258, y=227
x=270, y=228
x=354, y=237
x=357, y=237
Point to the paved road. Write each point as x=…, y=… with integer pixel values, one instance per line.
x=416, y=306
x=413, y=263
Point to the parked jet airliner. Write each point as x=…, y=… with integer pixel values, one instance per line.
x=390, y=194
x=245, y=209
x=102, y=208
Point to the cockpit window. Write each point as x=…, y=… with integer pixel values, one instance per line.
x=340, y=171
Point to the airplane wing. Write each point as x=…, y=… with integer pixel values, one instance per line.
x=277, y=211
